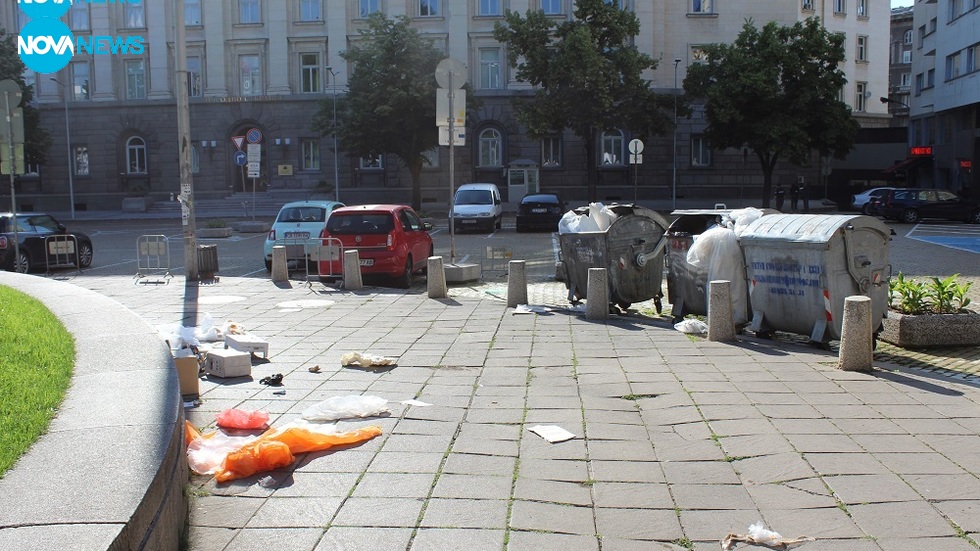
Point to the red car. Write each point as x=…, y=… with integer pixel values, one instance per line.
x=390, y=240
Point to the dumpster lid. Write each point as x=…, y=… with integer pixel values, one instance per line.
x=808, y=228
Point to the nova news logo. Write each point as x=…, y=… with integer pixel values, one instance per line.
x=46, y=44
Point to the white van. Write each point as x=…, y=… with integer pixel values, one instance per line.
x=477, y=206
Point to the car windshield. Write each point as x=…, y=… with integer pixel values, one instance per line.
x=41, y=223
x=360, y=223
x=540, y=199
x=474, y=197
x=302, y=214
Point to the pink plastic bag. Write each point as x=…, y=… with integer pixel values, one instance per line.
x=233, y=418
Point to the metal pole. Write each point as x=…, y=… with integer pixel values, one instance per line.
x=71, y=164
x=673, y=194
x=184, y=148
x=13, y=168
x=452, y=173
x=336, y=163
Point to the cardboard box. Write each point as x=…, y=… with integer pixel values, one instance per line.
x=228, y=363
x=248, y=343
x=187, y=373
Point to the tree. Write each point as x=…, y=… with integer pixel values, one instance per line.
x=776, y=91
x=391, y=101
x=587, y=75
x=36, y=139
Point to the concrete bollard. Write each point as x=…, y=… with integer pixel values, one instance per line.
x=856, y=341
x=435, y=279
x=352, y=271
x=597, y=295
x=280, y=270
x=516, y=283
x=721, y=320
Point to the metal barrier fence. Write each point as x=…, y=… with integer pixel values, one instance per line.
x=153, y=255
x=330, y=250
x=61, y=251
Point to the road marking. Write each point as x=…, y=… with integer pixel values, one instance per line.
x=963, y=238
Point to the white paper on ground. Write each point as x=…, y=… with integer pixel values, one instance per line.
x=528, y=309
x=552, y=433
x=415, y=403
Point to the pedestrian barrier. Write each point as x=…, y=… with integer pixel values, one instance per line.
x=61, y=251
x=327, y=254
x=496, y=259
x=153, y=259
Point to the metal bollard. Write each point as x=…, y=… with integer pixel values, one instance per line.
x=516, y=283
x=856, y=342
x=435, y=279
x=721, y=320
x=597, y=295
x=280, y=271
x=352, y=271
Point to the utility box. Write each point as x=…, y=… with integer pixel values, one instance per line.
x=801, y=267
x=228, y=363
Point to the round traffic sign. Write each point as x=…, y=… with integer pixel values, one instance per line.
x=240, y=158
x=635, y=146
x=254, y=135
x=452, y=66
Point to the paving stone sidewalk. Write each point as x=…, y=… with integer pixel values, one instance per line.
x=679, y=440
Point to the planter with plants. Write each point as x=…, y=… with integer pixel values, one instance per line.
x=215, y=229
x=930, y=313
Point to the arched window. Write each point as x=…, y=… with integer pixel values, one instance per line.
x=135, y=155
x=195, y=160
x=490, y=147
x=612, y=148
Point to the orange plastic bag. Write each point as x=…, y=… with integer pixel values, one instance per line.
x=234, y=418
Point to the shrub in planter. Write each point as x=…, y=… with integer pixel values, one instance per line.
x=930, y=313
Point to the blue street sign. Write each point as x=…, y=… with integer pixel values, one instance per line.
x=254, y=135
x=240, y=158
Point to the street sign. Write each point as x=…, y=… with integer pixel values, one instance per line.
x=238, y=141
x=636, y=159
x=455, y=68
x=240, y=158
x=254, y=152
x=254, y=135
x=16, y=125
x=458, y=131
x=442, y=107
x=5, y=158
x=635, y=146
x=254, y=169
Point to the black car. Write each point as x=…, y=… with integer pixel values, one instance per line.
x=913, y=204
x=43, y=243
x=539, y=211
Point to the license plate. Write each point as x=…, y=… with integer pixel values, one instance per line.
x=297, y=235
x=367, y=262
x=539, y=211
x=468, y=221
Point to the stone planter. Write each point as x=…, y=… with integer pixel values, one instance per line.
x=214, y=233
x=931, y=330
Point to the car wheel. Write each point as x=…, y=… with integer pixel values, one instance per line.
x=910, y=216
x=404, y=281
x=268, y=265
x=84, y=255
x=974, y=218
x=23, y=264
x=865, y=210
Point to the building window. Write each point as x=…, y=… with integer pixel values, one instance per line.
x=367, y=7
x=859, y=100
x=698, y=55
x=133, y=15
x=311, y=154
x=908, y=36
x=862, y=48
x=907, y=57
x=972, y=58
x=79, y=17
x=840, y=7
x=919, y=84
x=490, y=7
x=309, y=10
x=955, y=9
x=930, y=78
x=249, y=11
x=251, y=75
x=612, y=147
x=195, y=160
x=489, y=68
x=905, y=79
x=135, y=155
x=195, y=88
x=551, y=7
x=375, y=162
x=429, y=8
x=551, y=151
x=192, y=12
x=700, y=151
x=702, y=6
x=953, y=66
x=135, y=79
x=309, y=69
x=862, y=8
x=808, y=5
x=80, y=89
x=80, y=158
x=432, y=156
x=490, y=144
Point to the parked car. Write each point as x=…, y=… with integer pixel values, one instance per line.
x=44, y=243
x=296, y=223
x=391, y=240
x=477, y=206
x=913, y=204
x=862, y=200
x=539, y=211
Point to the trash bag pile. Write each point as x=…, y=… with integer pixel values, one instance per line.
x=599, y=218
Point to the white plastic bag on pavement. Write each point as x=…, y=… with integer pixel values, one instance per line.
x=346, y=407
x=365, y=360
x=717, y=250
x=760, y=535
x=692, y=327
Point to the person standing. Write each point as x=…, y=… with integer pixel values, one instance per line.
x=780, y=196
x=794, y=197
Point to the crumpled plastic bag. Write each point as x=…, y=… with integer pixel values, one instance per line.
x=365, y=360
x=692, y=327
x=234, y=418
x=602, y=215
x=760, y=535
x=346, y=407
x=206, y=453
x=717, y=250
x=180, y=336
x=740, y=219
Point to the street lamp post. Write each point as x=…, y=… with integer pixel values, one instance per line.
x=336, y=167
x=71, y=169
x=673, y=162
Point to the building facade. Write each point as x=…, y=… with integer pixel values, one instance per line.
x=269, y=65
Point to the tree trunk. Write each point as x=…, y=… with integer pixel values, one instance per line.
x=591, y=166
x=415, y=169
x=768, y=162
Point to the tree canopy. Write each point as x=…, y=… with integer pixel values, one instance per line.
x=37, y=140
x=587, y=74
x=776, y=90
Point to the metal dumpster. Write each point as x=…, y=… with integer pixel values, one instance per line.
x=631, y=250
x=801, y=267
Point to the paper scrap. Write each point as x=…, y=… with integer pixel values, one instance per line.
x=528, y=309
x=415, y=403
x=552, y=433
x=365, y=360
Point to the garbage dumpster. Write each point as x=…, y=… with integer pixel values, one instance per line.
x=631, y=250
x=801, y=267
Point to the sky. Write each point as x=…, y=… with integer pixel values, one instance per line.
x=901, y=3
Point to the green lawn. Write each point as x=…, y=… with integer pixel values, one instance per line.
x=36, y=359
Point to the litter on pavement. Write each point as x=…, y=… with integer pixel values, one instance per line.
x=346, y=407
x=692, y=327
x=552, y=433
x=528, y=309
x=760, y=535
x=365, y=360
